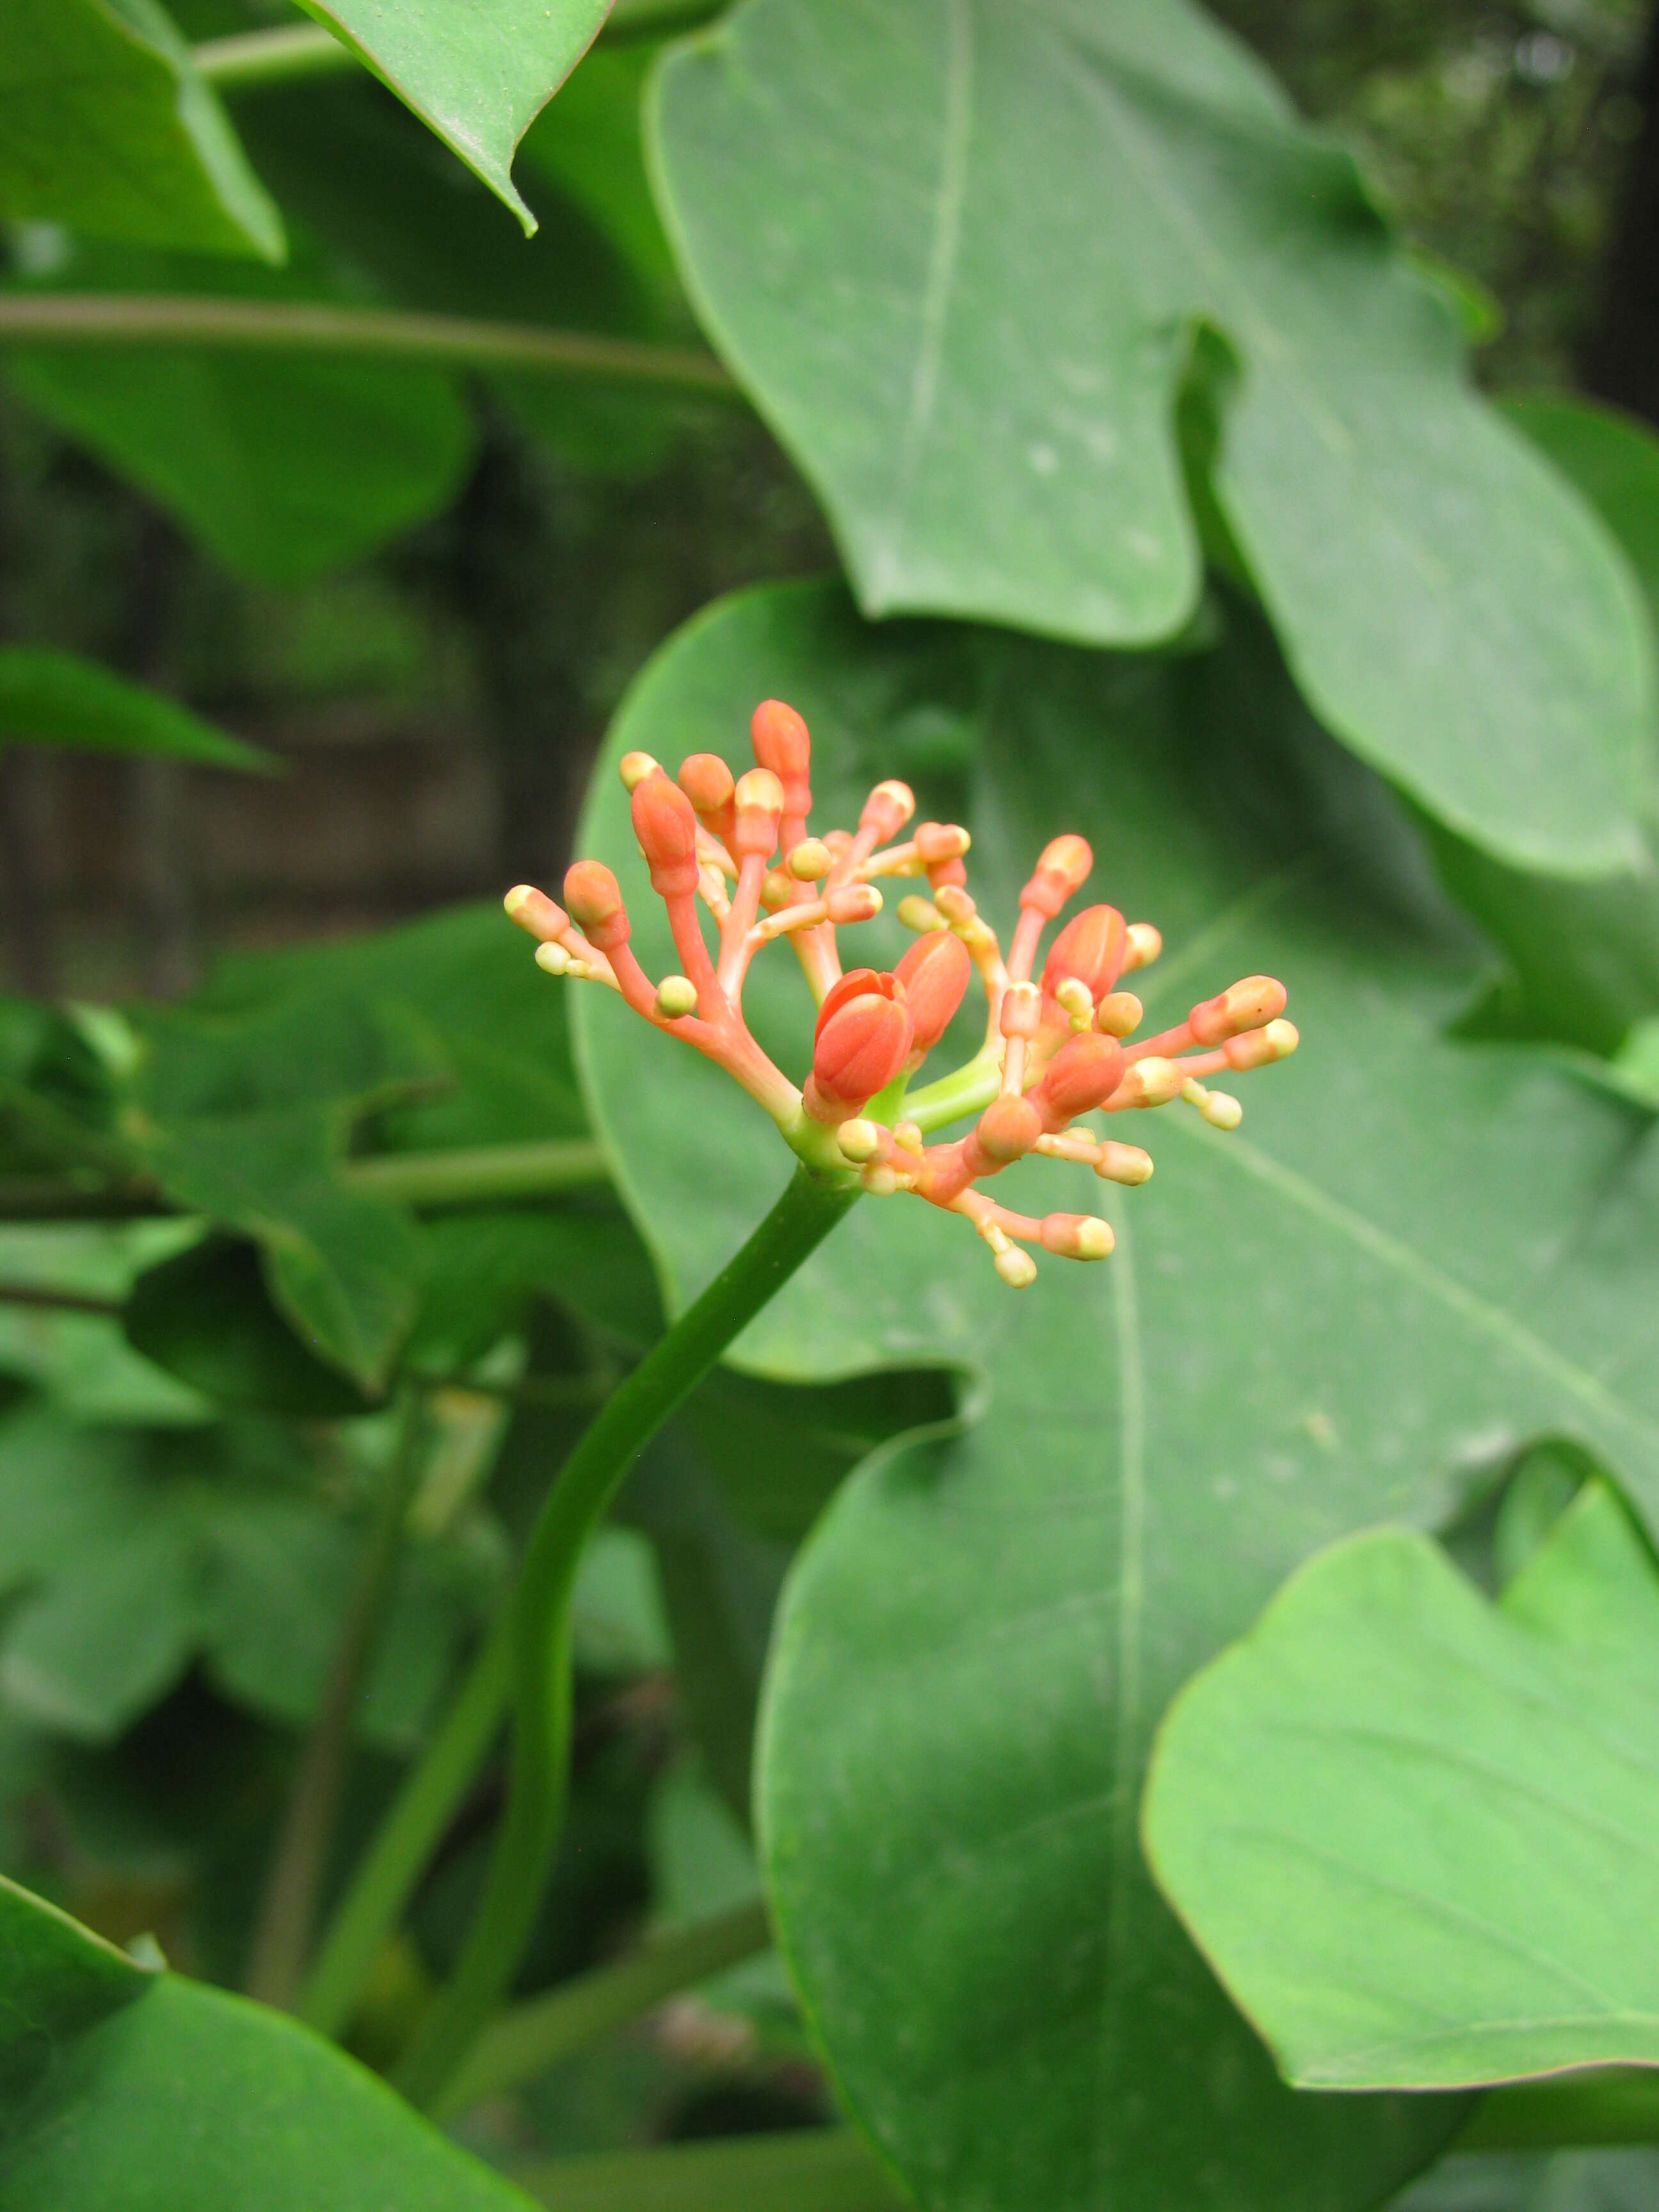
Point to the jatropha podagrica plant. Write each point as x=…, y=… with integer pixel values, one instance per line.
x=1055, y=1049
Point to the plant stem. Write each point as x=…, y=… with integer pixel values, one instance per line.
x=35, y=1294
x=810, y=2170
x=251, y=58
x=163, y=318
x=282, y=1934
x=529, y=2038
x=809, y=1208
x=1609, y=2104
x=489, y=1173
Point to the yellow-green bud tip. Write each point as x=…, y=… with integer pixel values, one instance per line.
x=1017, y=1268
x=1072, y=993
x=634, y=768
x=677, y=996
x=553, y=959
x=921, y=915
x=859, y=1140
x=810, y=862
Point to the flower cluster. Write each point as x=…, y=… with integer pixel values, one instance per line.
x=1055, y=1049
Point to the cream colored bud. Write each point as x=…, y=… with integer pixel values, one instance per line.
x=859, y=1140
x=1151, y=1082
x=677, y=996
x=880, y=1180
x=1119, y=1014
x=1017, y=1268
x=955, y=904
x=775, y=887
x=810, y=861
x=1072, y=993
x=921, y=915
x=1141, y=945
x=907, y=1134
x=1022, y=1010
x=634, y=768
x=553, y=959
x=1124, y=1163
x=1261, y=1048
x=1219, y=1108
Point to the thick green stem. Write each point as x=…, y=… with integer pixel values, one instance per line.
x=38, y=1294
x=251, y=58
x=816, y=2170
x=282, y=1936
x=809, y=1208
x=169, y=319
x=527, y=2040
x=1612, y=2104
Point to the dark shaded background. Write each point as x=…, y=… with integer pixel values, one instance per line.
x=438, y=706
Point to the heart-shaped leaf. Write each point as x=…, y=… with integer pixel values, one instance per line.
x=958, y=252
x=51, y=698
x=110, y=129
x=1412, y=1831
x=1416, y=1253
x=479, y=75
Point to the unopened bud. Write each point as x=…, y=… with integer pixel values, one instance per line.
x=1141, y=945
x=1151, y=1082
x=1072, y=995
x=1082, y=1075
x=677, y=996
x=707, y=782
x=667, y=830
x=1017, y=1268
x=759, y=799
x=1250, y=1004
x=775, y=889
x=1219, y=1108
x=1059, y=874
x=783, y=745
x=1125, y=1163
x=910, y=1135
x=935, y=973
x=634, y=768
x=536, y=913
x=1021, y=1011
x=921, y=915
x=1119, y=1014
x=863, y=1036
x=1090, y=947
x=940, y=840
x=887, y=809
x=880, y=1179
x=955, y=904
x=595, y=901
x=1261, y=1048
x=1008, y=1129
x=1078, y=1236
x=853, y=903
x=553, y=959
x=810, y=861
x=860, y=1140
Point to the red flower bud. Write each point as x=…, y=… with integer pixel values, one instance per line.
x=667, y=830
x=1090, y=947
x=595, y=900
x=863, y=1036
x=934, y=973
x=782, y=743
x=707, y=782
x=1059, y=875
x=1082, y=1075
x=1250, y=1004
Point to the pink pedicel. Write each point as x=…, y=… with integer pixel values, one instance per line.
x=737, y=847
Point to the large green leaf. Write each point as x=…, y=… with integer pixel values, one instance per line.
x=106, y=126
x=1415, y=1252
x=51, y=698
x=478, y=75
x=282, y=466
x=1412, y=1831
x=154, y=2094
x=957, y=253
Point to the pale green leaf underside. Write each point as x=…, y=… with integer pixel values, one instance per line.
x=1413, y=1252
x=478, y=75
x=957, y=252
x=106, y=127
x=1414, y=1831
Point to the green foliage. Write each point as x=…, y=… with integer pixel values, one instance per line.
x=1019, y=464
x=1464, y=1792
x=105, y=126
x=49, y=698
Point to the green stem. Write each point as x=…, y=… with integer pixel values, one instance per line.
x=36, y=1294
x=490, y=1175
x=809, y=1208
x=810, y=2170
x=1612, y=2104
x=529, y=2038
x=251, y=58
x=289, y=1912
x=167, y=319
x=969, y=1089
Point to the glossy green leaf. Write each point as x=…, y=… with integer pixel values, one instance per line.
x=1412, y=1830
x=958, y=252
x=157, y=2095
x=106, y=127
x=1613, y=458
x=51, y=698
x=1414, y=1253
x=282, y=466
x=479, y=75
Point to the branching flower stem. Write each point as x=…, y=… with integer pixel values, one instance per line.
x=530, y=1657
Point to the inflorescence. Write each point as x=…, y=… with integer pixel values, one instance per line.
x=1055, y=1049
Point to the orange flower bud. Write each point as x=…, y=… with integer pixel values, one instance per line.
x=1007, y=1130
x=1090, y=947
x=1061, y=872
x=1076, y=1236
x=853, y=903
x=707, y=782
x=1261, y=1048
x=667, y=830
x=595, y=900
x=1082, y=1075
x=759, y=800
x=536, y=913
x=782, y=743
x=935, y=974
x=887, y=810
x=1250, y=1004
x=863, y=1036
x=940, y=840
